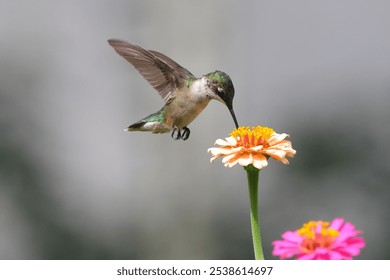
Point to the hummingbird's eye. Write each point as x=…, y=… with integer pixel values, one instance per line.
x=220, y=89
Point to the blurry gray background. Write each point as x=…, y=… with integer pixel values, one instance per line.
x=74, y=185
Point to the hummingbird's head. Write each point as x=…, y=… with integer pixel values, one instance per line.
x=222, y=89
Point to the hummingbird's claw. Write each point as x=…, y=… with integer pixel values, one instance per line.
x=177, y=134
x=186, y=133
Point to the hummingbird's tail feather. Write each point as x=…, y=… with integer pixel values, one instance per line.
x=138, y=126
x=154, y=123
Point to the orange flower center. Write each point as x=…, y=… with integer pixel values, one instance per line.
x=247, y=137
x=316, y=235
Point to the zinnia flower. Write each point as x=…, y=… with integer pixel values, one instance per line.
x=252, y=146
x=319, y=240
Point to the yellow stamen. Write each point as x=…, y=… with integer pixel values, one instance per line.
x=256, y=136
x=309, y=229
x=317, y=234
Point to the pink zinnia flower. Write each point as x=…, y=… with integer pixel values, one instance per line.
x=319, y=240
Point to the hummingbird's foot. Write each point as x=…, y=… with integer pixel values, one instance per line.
x=177, y=132
x=186, y=133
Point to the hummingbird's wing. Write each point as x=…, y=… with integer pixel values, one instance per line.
x=164, y=74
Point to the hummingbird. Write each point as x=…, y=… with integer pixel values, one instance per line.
x=184, y=95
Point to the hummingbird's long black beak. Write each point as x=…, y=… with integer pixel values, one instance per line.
x=234, y=117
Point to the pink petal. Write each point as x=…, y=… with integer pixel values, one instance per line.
x=289, y=246
x=337, y=223
x=347, y=227
x=344, y=237
x=348, y=252
x=335, y=255
x=320, y=254
x=292, y=236
x=285, y=249
x=311, y=256
x=351, y=247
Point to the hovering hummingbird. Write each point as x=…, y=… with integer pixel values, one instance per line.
x=184, y=95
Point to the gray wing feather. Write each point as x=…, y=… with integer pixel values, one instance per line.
x=164, y=74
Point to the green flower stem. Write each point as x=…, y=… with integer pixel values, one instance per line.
x=253, y=184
